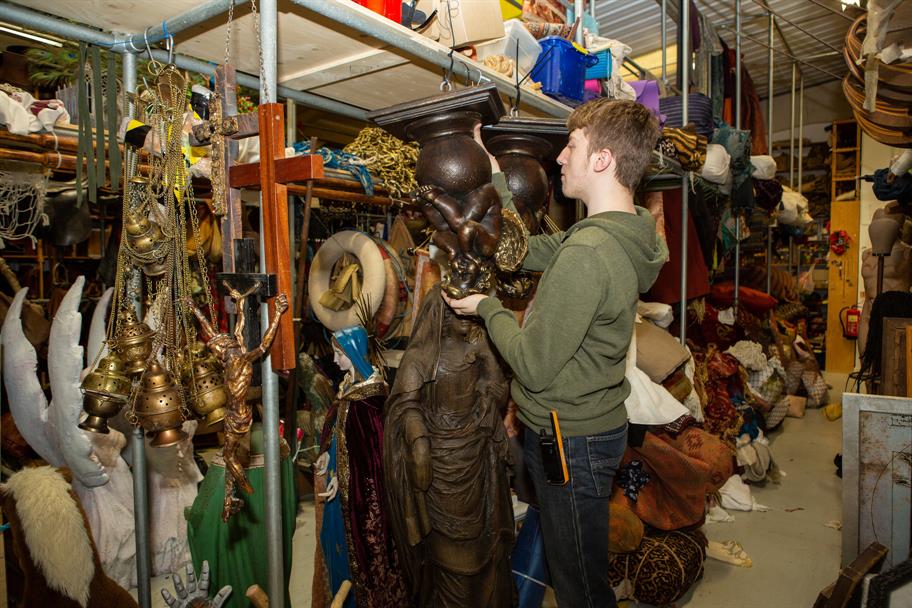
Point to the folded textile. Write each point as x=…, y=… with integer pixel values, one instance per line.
x=716, y=167
x=690, y=147
x=699, y=112
x=736, y=495
x=764, y=166
x=648, y=403
x=767, y=193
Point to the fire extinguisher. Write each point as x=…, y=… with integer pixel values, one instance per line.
x=850, y=322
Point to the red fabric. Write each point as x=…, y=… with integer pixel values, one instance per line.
x=682, y=471
x=723, y=295
x=667, y=287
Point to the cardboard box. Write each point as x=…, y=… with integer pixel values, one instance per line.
x=472, y=21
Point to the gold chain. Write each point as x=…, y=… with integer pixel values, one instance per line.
x=228, y=31
x=264, y=94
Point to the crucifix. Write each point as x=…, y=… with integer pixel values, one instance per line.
x=270, y=175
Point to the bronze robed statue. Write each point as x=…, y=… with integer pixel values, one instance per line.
x=445, y=460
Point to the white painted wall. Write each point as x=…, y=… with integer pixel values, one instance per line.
x=874, y=156
x=823, y=104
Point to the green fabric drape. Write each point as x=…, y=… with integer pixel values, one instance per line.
x=236, y=550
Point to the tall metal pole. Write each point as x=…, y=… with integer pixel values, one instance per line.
x=137, y=444
x=272, y=494
x=769, y=137
x=684, y=71
x=579, y=10
x=665, y=43
x=800, y=133
x=737, y=297
x=792, y=126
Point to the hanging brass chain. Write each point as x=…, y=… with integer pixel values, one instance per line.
x=228, y=32
x=264, y=94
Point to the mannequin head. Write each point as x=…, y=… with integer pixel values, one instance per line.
x=350, y=348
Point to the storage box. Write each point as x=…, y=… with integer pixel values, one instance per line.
x=472, y=21
x=602, y=69
x=529, y=49
x=562, y=70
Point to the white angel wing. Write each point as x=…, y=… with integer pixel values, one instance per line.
x=28, y=402
x=65, y=365
x=97, y=347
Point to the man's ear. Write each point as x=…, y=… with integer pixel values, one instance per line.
x=604, y=160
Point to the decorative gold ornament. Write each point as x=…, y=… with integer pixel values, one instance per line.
x=206, y=377
x=514, y=243
x=143, y=235
x=105, y=389
x=158, y=406
x=134, y=342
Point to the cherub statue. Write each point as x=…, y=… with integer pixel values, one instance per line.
x=231, y=351
x=468, y=230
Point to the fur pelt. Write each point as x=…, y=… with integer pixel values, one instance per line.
x=53, y=544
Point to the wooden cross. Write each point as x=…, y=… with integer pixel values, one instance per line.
x=270, y=175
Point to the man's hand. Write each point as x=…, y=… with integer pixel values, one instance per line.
x=495, y=166
x=466, y=306
x=281, y=303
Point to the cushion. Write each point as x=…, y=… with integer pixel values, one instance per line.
x=625, y=530
x=661, y=570
x=659, y=354
x=715, y=169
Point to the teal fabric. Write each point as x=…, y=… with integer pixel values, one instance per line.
x=332, y=536
x=236, y=550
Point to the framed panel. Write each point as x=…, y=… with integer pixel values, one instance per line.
x=877, y=475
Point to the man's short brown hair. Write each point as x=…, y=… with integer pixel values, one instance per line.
x=627, y=128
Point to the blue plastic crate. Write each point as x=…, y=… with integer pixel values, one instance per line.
x=603, y=68
x=561, y=69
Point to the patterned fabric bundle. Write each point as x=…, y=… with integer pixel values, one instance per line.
x=661, y=570
x=665, y=480
x=738, y=144
x=690, y=147
x=699, y=112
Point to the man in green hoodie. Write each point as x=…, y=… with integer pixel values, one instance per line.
x=570, y=355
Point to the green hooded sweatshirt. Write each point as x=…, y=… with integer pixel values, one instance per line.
x=570, y=355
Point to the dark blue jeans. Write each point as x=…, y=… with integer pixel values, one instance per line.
x=574, y=517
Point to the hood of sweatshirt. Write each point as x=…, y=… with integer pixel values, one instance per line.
x=636, y=233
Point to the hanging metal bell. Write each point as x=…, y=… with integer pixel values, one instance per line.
x=209, y=393
x=158, y=407
x=134, y=342
x=144, y=235
x=105, y=390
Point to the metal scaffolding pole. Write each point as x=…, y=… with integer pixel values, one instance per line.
x=800, y=133
x=156, y=33
x=137, y=444
x=579, y=10
x=737, y=296
x=272, y=470
x=665, y=43
x=792, y=126
x=684, y=71
x=769, y=137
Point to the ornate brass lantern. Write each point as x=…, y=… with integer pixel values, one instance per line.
x=158, y=406
x=209, y=393
x=134, y=342
x=106, y=389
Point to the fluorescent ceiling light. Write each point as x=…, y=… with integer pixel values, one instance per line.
x=11, y=29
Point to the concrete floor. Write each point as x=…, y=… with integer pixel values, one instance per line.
x=794, y=553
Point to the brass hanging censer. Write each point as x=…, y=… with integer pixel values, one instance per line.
x=205, y=377
x=134, y=343
x=105, y=389
x=158, y=406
